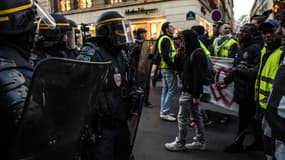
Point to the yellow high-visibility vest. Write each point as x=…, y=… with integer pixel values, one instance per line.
x=172, y=52
x=266, y=76
x=204, y=48
x=225, y=49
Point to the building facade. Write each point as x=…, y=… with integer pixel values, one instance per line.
x=148, y=14
x=260, y=7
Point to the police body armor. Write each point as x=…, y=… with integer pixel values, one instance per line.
x=61, y=95
x=114, y=96
x=38, y=54
x=14, y=82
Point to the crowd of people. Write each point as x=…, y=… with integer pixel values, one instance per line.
x=258, y=53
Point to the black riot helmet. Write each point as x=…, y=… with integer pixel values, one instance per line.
x=71, y=34
x=51, y=36
x=16, y=16
x=115, y=27
x=72, y=24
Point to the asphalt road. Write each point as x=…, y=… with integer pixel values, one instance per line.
x=153, y=133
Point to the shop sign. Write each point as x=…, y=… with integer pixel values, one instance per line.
x=140, y=11
x=190, y=16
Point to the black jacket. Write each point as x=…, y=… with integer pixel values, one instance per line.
x=193, y=72
x=248, y=56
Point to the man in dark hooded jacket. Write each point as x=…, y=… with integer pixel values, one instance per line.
x=192, y=87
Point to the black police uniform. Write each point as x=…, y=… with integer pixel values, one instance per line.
x=116, y=102
x=15, y=70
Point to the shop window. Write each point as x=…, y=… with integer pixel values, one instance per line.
x=113, y=1
x=64, y=5
x=84, y=3
x=67, y=5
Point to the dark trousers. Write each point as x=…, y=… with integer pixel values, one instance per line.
x=245, y=116
x=146, y=90
x=113, y=144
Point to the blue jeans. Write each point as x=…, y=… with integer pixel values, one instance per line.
x=279, y=150
x=169, y=87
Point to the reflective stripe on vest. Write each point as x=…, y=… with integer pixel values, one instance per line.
x=266, y=76
x=172, y=52
x=225, y=49
x=204, y=48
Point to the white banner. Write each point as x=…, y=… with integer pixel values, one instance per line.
x=221, y=96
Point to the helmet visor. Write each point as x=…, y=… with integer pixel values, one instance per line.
x=121, y=33
x=43, y=15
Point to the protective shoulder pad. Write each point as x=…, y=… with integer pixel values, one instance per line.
x=6, y=63
x=86, y=53
x=13, y=89
x=90, y=52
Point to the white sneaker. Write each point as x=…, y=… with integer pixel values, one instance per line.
x=175, y=146
x=196, y=145
x=167, y=117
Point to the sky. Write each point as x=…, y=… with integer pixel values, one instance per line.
x=242, y=7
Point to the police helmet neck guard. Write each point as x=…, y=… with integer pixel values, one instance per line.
x=116, y=28
x=16, y=16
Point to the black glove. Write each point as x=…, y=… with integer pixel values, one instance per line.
x=135, y=96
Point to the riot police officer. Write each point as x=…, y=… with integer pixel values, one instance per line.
x=118, y=95
x=52, y=42
x=16, y=26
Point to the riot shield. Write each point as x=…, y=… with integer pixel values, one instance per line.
x=145, y=61
x=143, y=77
x=59, y=101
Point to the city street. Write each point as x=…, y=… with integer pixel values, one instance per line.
x=153, y=133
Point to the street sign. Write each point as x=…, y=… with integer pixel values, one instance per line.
x=216, y=15
x=190, y=16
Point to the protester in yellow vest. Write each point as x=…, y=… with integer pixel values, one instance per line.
x=167, y=52
x=269, y=64
x=224, y=45
x=275, y=116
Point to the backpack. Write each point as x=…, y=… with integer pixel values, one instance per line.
x=209, y=75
